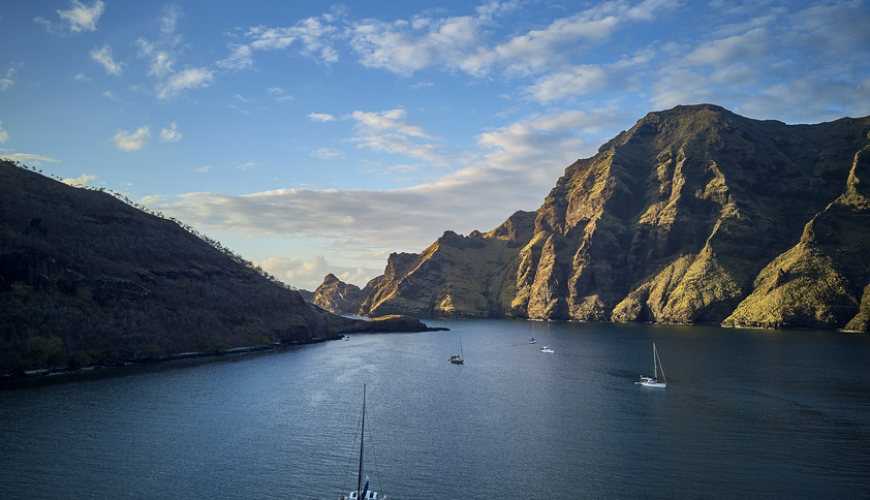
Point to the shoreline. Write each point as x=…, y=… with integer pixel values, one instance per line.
x=12, y=379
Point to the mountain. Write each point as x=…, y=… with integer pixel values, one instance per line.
x=335, y=295
x=694, y=215
x=86, y=278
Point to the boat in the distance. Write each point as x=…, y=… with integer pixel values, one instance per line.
x=362, y=492
x=546, y=348
x=654, y=380
x=458, y=359
x=532, y=341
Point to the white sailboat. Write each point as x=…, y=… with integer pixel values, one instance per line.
x=547, y=349
x=362, y=492
x=654, y=380
x=458, y=359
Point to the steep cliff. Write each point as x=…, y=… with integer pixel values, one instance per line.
x=336, y=296
x=695, y=214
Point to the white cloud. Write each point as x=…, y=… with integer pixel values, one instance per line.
x=743, y=48
x=170, y=134
x=82, y=18
x=164, y=53
x=514, y=169
x=190, y=78
x=308, y=275
x=461, y=43
x=81, y=78
x=315, y=37
x=203, y=169
x=104, y=57
x=575, y=81
x=126, y=141
x=82, y=180
x=169, y=20
x=320, y=117
x=373, y=123
x=239, y=58
x=387, y=132
x=328, y=154
x=404, y=48
x=422, y=85
x=4, y=136
x=7, y=80
x=28, y=158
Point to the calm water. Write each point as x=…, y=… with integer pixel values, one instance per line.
x=745, y=415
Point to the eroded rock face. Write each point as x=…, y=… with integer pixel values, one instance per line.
x=337, y=297
x=695, y=214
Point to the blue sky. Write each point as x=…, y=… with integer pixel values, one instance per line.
x=313, y=137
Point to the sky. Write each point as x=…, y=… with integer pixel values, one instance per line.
x=314, y=138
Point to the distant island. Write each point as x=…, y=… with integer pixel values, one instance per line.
x=694, y=215
x=87, y=278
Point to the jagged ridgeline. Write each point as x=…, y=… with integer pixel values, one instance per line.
x=85, y=278
x=695, y=215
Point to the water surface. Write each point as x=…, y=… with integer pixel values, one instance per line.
x=746, y=414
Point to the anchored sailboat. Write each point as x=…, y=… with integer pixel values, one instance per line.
x=458, y=359
x=362, y=492
x=657, y=366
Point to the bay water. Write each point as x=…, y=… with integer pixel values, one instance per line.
x=746, y=414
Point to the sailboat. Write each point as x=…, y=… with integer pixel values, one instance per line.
x=458, y=359
x=532, y=340
x=362, y=491
x=654, y=380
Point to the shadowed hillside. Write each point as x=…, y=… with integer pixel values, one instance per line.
x=86, y=278
x=695, y=214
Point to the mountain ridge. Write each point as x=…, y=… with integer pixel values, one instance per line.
x=676, y=220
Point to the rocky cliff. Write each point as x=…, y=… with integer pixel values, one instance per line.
x=693, y=215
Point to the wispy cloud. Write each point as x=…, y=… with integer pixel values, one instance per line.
x=170, y=134
x=513, y=168
x=126, y=141
x=190, y=78
x=279, y=95
x=82, y=18
x=78, y=18
x=104, y=57
x=6, y=81
x=320, y=117
x=203, y=169
x=4, y=136
x=163, y=54
x=28, y=158
x=327, y=154
x=314, y=36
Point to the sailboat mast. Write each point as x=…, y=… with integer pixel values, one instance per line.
x=361, y=438
x=655, y=364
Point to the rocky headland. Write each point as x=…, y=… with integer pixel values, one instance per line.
x=694, y=215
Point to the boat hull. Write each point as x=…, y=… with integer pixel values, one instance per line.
x=653, y=383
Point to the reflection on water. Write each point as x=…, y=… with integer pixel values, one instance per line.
x=746, y=413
